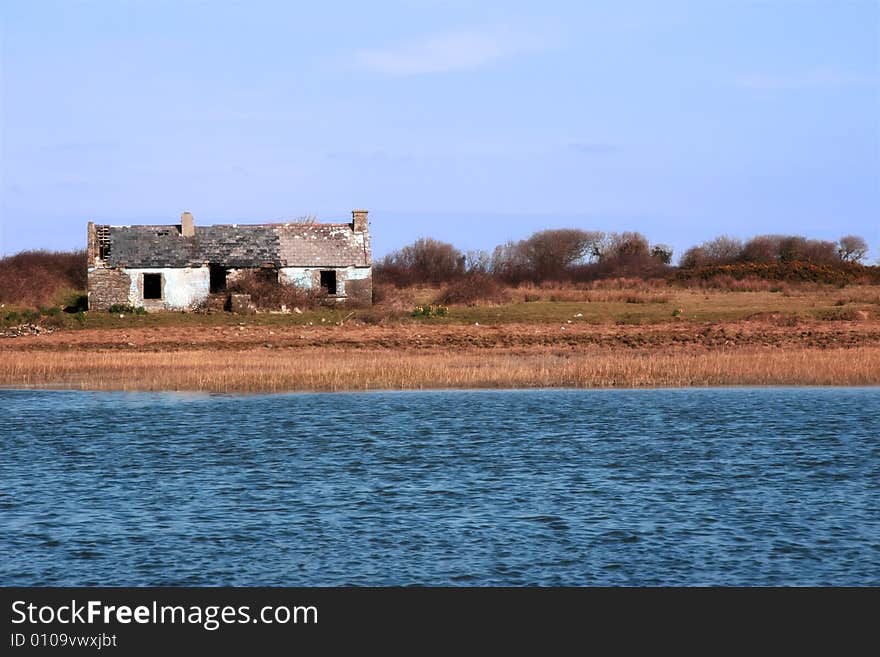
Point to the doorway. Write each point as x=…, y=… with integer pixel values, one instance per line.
x=328, y=281
x=218, y=278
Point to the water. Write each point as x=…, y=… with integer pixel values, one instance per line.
x=674, y=487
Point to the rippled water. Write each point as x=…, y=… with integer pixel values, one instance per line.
x=734, y=486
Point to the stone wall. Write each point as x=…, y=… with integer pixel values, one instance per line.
x=108, y=287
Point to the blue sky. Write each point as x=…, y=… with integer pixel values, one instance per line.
x=473, y=122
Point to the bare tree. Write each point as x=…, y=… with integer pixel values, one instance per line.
x=762, y=249
x=820, y=252
x=425, y=261
x=551, y=252
x=546, y=255
x=662, y=252
x=723, y=250
x=795, y=248
x=694, y=257
x=478, y=261
x=509, y=263
x=623, y=245
x=852, y=248
x=767, y=249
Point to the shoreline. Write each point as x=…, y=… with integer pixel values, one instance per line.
x=200, y=394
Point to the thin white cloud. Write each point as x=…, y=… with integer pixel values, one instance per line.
x=820, y=78
x=459, y=50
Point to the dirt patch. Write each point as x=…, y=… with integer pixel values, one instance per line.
x=753, y=332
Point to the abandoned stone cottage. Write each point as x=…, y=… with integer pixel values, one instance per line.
x=180, y=266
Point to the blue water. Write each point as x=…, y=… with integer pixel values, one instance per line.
x=656, y=487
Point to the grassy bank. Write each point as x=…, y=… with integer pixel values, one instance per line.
x=633, y=335
x=630, y=305
x=334, y=369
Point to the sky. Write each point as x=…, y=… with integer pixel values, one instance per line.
x=470, y=122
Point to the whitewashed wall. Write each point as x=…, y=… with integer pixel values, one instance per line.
x=304, y=276
x=181, y=288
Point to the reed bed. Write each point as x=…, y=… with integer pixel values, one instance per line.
x=335, y=370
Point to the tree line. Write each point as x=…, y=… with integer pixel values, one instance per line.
x=769, y=249
x=574, y=255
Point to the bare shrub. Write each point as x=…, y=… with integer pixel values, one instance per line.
x=622, y=296
x=728, y=283
x=426, y=261
x=852, y=315
x=722, y=250
x=380, y=292
x=509, y=263
x=769, y=249
x=267, y=293
x=625, y=255
x=626, y=266
x=694, y=257
x=762, y=249
x=795, y=248
x=798, y=272
x=623, y=283
x=35, y=278
x=547, y=255
x=860, y=297
x=551, y=252
x=394, y=300
x=378, y=316
x=472, y=289
x=569, y=295
x=623, y=245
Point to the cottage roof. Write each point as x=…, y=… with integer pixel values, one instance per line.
x=240, y=245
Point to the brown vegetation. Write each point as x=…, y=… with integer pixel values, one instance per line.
x=571, y=256
x=265, y=370
x=605, y=323
x=426, y=261
x=472, y=289
x=775, y=249
x=40, y=278
x=269, y=353
x=560, y=258
x=556, y=255
x=843, y=273
x=267, y=293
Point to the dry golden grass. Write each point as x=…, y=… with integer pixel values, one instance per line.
x=263, y=370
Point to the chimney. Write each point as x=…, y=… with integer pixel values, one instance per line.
x=359, y=222
x=187, y=225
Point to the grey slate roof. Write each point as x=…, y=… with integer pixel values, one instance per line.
x=242, y=245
